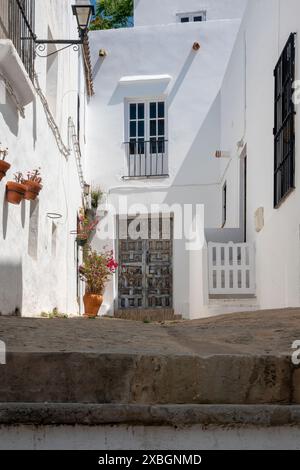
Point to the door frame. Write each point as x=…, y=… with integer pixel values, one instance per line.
x=116, y=246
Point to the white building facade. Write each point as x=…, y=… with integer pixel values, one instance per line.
x=42, y=116
x=266, y=58
x=181, y=131
x=153, y=129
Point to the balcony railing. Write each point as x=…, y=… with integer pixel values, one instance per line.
x=17, y=24
x=147, y=159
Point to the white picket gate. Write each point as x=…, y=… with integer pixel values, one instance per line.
x=231, y=268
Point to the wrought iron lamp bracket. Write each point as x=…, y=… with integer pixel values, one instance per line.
x=40, y=47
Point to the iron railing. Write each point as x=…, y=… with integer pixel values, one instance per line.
x=17, y=24
x=147, y=159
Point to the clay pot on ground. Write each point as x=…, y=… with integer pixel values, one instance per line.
x=32, y=190
x=92, y=304
x=15, y=192
x=4, y=167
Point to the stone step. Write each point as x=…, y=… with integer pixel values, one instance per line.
x=148, y=314
x=238, y=359
x=83, y=377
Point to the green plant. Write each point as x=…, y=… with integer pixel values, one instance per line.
x=113, y=14
x=97, y=270
x=54, y=314
x=96, y=197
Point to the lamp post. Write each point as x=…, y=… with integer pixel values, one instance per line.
x=83, y=13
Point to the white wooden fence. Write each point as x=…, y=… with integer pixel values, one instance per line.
x=231, y=268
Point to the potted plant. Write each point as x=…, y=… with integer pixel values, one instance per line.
x=96, y=272
x=15, y=190
x=85, y=228
x=4, y=166
x=33, y=184
x=96, y=197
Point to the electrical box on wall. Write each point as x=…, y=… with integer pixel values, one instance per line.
x=259, y=219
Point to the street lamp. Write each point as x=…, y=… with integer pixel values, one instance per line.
x=84, y=14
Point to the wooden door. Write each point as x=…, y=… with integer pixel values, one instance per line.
x=145, y=271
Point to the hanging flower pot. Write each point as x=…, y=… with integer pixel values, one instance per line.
x=32, y=190
x=81, y=239
x=33, y=185
x=15, y=192
x=4, y=166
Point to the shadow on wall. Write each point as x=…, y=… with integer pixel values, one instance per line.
x=4, y=218
x=199, y=167
x=98, y=66
x=11, y=287
x=185, y=68
x=9, y=112
x=133, y=90
x=33, y=229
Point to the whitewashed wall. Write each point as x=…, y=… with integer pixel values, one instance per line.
x=266, y=27
x=34, y=277
x=157, y=12
x=193, y=104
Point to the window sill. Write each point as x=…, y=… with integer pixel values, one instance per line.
x=146, y=177
x=145, y=78
x=14, y=71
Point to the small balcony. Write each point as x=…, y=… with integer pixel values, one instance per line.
x=17, y=24
x=146, y=159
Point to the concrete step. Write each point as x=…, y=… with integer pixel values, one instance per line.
x=220, y=306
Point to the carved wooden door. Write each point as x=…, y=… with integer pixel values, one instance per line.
x=145, y=272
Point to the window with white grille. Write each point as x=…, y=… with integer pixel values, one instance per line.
x=191, y=17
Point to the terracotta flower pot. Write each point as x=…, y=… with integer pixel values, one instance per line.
x=92, y=304
x=15, y=192
x=81, y=240
x=32, y=190
x=4, y=166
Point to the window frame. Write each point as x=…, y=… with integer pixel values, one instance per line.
x=191, y=16
x=147, y=118
x=284, y=122
x=145, y=157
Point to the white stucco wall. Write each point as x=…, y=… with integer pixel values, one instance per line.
x=35, y=277
x=266, y=27
x=193, y=108
x=158, y=12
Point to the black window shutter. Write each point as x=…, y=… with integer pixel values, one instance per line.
x=284, y=126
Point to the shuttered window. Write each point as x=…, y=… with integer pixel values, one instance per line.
x=284, y=128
